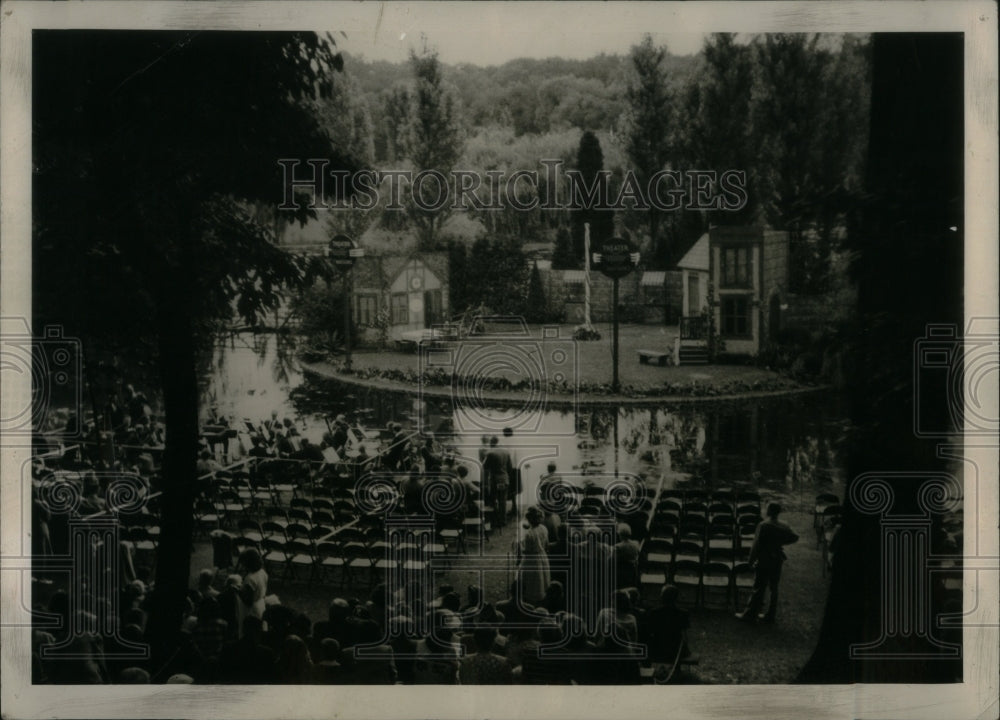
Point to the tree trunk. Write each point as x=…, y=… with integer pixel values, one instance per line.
x=180, y=398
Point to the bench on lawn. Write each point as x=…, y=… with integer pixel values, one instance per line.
x=647, y=357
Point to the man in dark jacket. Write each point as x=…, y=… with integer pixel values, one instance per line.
x=767, y=557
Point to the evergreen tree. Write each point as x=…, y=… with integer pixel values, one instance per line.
x=433, y=143
x=562, y=254
x=591, y=175
x=537, y=309
x=648, y=119
x=458, y=268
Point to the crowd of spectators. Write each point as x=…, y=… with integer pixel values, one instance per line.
x=388, y=638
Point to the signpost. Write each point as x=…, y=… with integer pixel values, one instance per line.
x=344, y=252
x=616, y=259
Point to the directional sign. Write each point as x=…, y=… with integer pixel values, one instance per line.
x=616, y=258
x=344, y=251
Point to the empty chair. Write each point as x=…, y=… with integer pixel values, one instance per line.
x=742, y=553
x=273, y=555
x=270, y=528
x=351, y=535
x=299, y=515
x=687, y=578
x=318, y=533
x=823, y=501
x=696, y=496
x=296, y=531
x=330, y=561
x=744, y=508
x=451, y=534
x=688, y=551
x=250, y=529
x=669, y=505
x=743, y=579
x=299, y=558
x=722, y=539
x=276, y=514
x=722, y=521
x=725, y=556
x=724, y=495
x=357, y=562
x=657, y=552
x=716, y=585
x=695, y=509
x=674, y=494
x=231, y=504
x=323, y=504
x=323, y=517
x=718, y=509
x=693, y=527
x=205, y=516
x=652, y=578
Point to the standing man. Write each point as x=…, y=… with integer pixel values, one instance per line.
x=767, y=556
x=496, y=465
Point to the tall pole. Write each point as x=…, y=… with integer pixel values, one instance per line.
x=586, y=275
x=614, y=344
x=347, y=317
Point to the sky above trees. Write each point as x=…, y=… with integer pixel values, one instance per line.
x=493, y=33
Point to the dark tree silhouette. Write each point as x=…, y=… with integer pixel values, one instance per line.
x=150, y=151
x=592, y=178
x=915, y=181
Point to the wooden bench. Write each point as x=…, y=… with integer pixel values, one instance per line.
x=647, y=357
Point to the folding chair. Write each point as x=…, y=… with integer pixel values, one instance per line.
x=357, y=562
x=274, y=555
x=716, y=581
x=689, y=551
x=823, y=501
x=658, y=553
x=743, y=579
x=687, y=578
x=330, y=560
x=299, y=555
x=250, y=529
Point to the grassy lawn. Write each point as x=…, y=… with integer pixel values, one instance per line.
x=594, y=363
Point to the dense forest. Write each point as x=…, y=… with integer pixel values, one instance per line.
x=788, y=110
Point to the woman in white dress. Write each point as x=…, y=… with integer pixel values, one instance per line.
x=533, y=573
x=254, y=588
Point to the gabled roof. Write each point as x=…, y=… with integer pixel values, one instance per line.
x=697, y=257
x=380, y=271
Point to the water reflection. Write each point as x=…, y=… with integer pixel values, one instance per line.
x=788, y=447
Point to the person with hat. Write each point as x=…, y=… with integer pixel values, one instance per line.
x=767, y=557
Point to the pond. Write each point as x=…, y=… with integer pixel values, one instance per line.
x=788, y=448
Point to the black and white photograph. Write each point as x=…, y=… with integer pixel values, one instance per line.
x=648, y=347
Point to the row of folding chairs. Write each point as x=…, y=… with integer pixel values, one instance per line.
x=345, y=561
x=709, y=584
x=664, y=553
x=673, y=529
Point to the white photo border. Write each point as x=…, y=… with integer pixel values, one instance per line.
x=975, y=697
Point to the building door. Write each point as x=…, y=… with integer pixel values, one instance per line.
x=694, y=295
x=773, y=319
x=432, y=308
